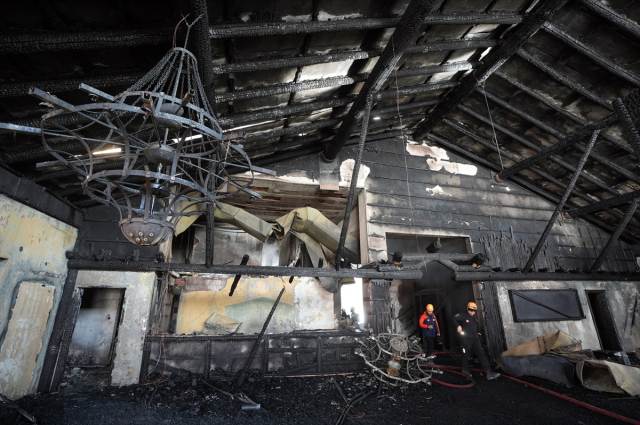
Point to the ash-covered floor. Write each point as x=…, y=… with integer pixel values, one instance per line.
x=171, y=399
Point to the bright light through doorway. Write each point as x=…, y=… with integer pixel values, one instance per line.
x=351, y=296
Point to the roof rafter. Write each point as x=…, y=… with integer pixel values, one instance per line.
x=529, y=26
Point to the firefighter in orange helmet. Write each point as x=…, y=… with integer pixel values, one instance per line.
x=468, y=328
x=430, y=328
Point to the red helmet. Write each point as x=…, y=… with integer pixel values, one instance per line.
x=472, y=306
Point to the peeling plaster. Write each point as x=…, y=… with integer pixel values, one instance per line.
x=313, y=305
x=346, y=171
x=439, y=159
x=436, y=190
x=324, y=16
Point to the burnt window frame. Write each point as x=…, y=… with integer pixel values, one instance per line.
x=565, y=319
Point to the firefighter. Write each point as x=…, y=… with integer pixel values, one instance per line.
x=468, y=328
x=430, y=328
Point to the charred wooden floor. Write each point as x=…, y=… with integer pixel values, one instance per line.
x=176, y=400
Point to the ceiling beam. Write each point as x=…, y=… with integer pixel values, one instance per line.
x=561, y=78
x=559, y=109
x=531, y=145
x=624, y=24
x=592, y=54
x=263, y=29
x=605, y=204
x=201, y=47
x=70, y=84
x=410, y=24
x=564, y=143
x=562, y=136
x=529, y=26
x=87, y=40
x=491, y=145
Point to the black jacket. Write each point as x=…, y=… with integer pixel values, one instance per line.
x=469, y=324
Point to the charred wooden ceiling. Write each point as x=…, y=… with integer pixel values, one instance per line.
x=518, y=86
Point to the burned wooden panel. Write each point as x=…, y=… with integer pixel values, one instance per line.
x=290, y=354
x=23, y=341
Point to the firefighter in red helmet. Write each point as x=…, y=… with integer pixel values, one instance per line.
x=468, y=328
x=430, y=328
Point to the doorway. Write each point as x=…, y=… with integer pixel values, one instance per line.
x=603, y=321
x=94, y=335
x=436, y=286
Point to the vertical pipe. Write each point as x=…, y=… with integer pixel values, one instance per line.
x=616, y=234
x=144, y=365
x=207, y=359
x=252, y=354
x=211, y=187
x=563, y=200
x=319, y=354
x=51, y=357
x=65, y=342
x=354, y=179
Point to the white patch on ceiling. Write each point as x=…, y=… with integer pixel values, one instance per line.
x=324, y=16
x=436, y=190
x=245, y=17
x=298, y=18
x=291, y=179
x=346, y=170
x=439, y=159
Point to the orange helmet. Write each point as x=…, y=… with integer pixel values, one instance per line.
x=472, y=306
x=430, y=308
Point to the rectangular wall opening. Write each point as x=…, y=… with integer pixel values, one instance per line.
x=94, y=335
x=603, y=320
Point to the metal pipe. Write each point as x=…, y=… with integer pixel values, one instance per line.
x=572, y=84
x=354, y=181
x=244, y=270
x=411, y=22
x=616, y=234
x=519, y=36
x=256, y=344
x=539, y=276
x=560, y=205
x=601, y=60
x=245, y=260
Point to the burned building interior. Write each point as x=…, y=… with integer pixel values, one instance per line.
x=237, y=211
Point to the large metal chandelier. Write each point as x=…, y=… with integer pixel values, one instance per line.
x=172, y=160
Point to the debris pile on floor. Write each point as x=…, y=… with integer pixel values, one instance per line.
x=559, y=358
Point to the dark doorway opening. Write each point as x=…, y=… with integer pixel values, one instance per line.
x=603, y=320
x=96, y=327
x=436, y=287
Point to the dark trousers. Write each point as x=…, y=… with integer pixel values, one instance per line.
x=428, y=344
x=473, y=346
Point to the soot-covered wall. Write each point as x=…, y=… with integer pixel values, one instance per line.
x=418, y=188
x=32, y=260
